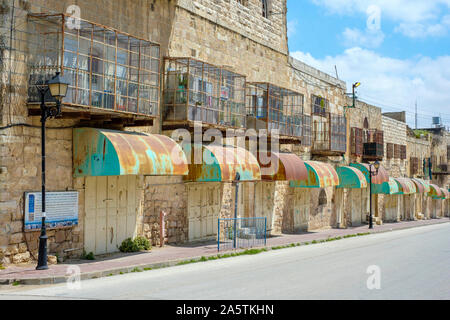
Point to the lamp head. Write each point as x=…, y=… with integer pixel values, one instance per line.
x=357, y=84
x=58, y=87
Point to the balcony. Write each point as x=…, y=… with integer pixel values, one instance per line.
x=329, y=134
x=273, y=108
x=373, y=145
x=111, y=73
x=198, y=91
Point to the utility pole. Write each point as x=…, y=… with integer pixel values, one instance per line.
x=416, y=114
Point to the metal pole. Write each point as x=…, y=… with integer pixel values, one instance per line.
x=370, y=196
x=238, y=177
x=42, y=257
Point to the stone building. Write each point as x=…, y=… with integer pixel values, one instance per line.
x=143, y=75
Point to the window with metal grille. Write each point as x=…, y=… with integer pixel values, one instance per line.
x=403, y=152
x=357, y=141
x=320, y=106
x=106, y=68
x=414, y=165
x=389, y=150
x=338, y=133
x=265, y=8
x=306, y=141
x=397, y=151
x=448, y=153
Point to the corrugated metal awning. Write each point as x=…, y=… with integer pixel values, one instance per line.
x=102, y=152
x=282, y=167
x=446, y=193
x=221, y=164
x=390, y=187
x=380, y=178
x=320, y=175
x=351, y=178
x=435, y=192
x=421, y=185
x=406, y=186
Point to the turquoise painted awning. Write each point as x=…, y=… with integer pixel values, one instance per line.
x=320, y=175
x=351, y=178
x=379, y=178
x=101, y=152
x=221, y=164
x=390, y=187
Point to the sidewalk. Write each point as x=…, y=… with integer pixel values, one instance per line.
x=172, y=255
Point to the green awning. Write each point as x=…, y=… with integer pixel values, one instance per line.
x=390, y=187
x=102, y=152
x=351, y=178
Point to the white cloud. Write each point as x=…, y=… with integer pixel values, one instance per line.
x=392, y=83
x=421, y=30
x=397, y=10
x=415, y=18
x=367, y=38
x=292, y=27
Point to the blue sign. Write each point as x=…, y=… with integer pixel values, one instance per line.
x=31, y=203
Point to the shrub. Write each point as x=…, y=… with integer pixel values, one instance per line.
x=136, y=245
x=88, y=256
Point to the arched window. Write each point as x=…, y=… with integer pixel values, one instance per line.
x=323, y=200
x=366, y=123
x=265, y=10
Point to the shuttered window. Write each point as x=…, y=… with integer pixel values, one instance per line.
x=389, y=151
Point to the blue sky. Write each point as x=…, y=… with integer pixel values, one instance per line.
x=398, y=49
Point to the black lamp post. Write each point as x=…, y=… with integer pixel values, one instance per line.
x=58, y=90
x=376, y=165
x=236, y=203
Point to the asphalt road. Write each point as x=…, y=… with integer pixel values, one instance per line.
x=412, y=264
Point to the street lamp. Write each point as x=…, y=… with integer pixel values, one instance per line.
x=355, y=85
x=58, y=90
x=376, y=165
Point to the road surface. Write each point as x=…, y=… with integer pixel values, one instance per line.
x=407, y=264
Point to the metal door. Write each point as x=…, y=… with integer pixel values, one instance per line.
x=264, y=201
x=111, y=212
x=301, y=209
x=357, y=206
x=203, y=210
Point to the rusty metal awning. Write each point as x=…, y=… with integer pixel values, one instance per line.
x=380, y=178
x=390, y=187
x=421, y=185
x=102, y=152
x=446, y=193
x=351, y=178
x=221, y=164
x=435, y=192
x=406, y=186
x=282, y=167
x=320, y=175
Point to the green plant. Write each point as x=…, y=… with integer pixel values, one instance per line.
x=2, y=267
x=136, y=270
x=89, y=256
x=136, y=245
x=16, y=283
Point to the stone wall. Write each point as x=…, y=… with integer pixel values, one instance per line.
x=395, y=133
x=419, y=148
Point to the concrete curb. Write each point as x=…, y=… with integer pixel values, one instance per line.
x=172, y=263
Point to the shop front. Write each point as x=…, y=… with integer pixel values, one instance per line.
x=112, y=166
x=319, y=187
x=355, y=184
x=211, y=183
